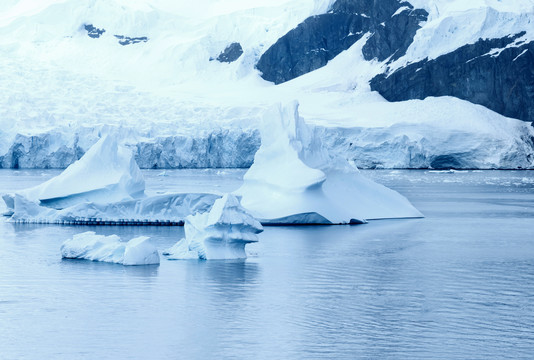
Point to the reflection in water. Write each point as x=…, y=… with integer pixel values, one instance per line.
x=83, y=267
x=228, y=280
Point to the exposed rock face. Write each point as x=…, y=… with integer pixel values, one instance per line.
x=486, y=73
x=93, y=32
x=231, y=53
x=126, y=40
x=319, y=39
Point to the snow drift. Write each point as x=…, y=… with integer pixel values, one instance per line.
x=89, y=246
x=293, y=180
x=221, y=233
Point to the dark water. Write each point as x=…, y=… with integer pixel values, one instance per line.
x=458, y=284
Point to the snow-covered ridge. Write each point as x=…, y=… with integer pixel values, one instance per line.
x=456, y=26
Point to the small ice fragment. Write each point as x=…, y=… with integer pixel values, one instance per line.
x=89, y=246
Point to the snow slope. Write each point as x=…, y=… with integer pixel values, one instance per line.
x=61, y=90
x=454, y=23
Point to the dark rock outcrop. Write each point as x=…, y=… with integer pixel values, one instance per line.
x=126, y=40
x=391, y=23
x=392, y=39
x=502, y=80
x=231, y=53
x=93, y=32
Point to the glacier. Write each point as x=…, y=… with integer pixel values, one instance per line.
x=294, y=180
x=174, y=108
x=221, y=233
x=89, y=246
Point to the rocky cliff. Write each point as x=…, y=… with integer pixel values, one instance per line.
x=392, y=25
x=494, y=72
x=488, y=73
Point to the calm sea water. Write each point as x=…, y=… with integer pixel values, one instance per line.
x=458, y=284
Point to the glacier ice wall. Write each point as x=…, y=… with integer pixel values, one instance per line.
x=508, y=144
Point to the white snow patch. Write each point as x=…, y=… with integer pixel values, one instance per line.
x=522, y=53
x=450, y=29
x=400, y=10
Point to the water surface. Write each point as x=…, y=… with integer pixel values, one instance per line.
x=458, y=284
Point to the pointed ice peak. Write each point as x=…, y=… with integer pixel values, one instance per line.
x=228, y=212
x=279, y=162
x=106, y=172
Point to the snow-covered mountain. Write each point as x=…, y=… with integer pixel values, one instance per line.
x=185, y=84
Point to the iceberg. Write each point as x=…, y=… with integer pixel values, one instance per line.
x=295, y=180
x=89, y=246
x=221, y=233
x=106, y=173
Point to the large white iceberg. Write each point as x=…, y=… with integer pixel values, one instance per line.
x=106, y=173
x=293, y=180
x=89, y=246
x=221, y=233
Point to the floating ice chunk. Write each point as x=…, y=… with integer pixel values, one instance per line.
x=221, y=233
x=106, y=173
x=294, y=180
x=89, y=246
x=170, y=208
